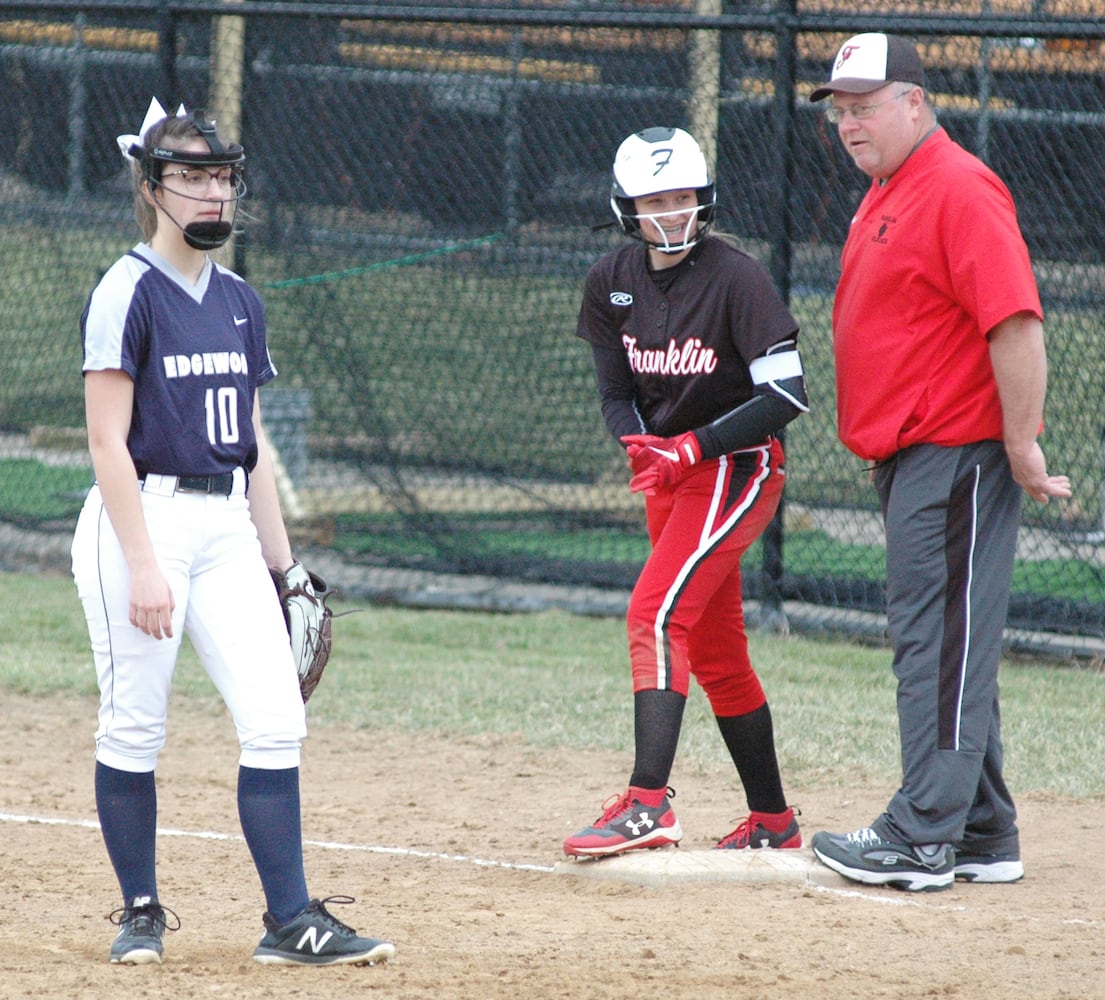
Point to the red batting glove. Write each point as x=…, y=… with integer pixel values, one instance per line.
x=657, y=462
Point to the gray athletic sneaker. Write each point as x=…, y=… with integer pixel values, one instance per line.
x=316, y=937
x=141, y=926
x=977, y=866
x=864, y=856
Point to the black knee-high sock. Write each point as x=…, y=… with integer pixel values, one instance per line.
x=657, y=719
x=126, y=803
x=751, y=742
x=268, y=807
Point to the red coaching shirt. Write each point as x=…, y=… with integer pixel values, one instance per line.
x=934, y=260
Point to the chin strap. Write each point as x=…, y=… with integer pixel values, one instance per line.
x=203, y=235
x=206, y=235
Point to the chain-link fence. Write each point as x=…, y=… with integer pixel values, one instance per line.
x=423, y=186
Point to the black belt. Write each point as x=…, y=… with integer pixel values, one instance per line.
x=222, y=484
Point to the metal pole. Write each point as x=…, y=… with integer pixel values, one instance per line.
x=166, y=50
x=77, y=112
x=705, y=83
x=228, y=37
x=773, y=617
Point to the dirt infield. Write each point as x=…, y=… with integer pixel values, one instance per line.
x=452, y=851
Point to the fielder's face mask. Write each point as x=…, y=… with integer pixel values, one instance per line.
x=154, y=159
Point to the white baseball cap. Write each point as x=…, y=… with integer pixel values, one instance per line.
x=869, y=61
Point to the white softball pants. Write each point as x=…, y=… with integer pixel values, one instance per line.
x=226, y=604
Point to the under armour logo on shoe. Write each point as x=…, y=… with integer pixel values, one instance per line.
x=643, y=824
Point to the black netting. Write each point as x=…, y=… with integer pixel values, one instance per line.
x=423, y=185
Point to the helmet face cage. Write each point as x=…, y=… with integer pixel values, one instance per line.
x=154, y=154
x=655, y=160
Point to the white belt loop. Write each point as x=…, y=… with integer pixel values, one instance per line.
x=158, y=485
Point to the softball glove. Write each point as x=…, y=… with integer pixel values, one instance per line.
x=303, y=596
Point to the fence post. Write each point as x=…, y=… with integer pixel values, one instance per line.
x=228, y=47
x=77, y=111
x=773, y=617
x=166, y=53
x=706, y=83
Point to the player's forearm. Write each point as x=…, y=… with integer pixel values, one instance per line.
x=617, y=392
x=118, y=483
x=748, y=425
x=109, y=398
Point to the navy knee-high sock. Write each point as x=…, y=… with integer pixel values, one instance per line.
x=126, y=803
x=268, y=808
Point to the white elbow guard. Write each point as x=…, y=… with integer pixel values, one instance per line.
x=782, y=374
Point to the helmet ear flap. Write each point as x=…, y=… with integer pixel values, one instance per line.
x=707, y=198
x=626, y=213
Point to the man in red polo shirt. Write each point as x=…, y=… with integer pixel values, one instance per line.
x=941, y=377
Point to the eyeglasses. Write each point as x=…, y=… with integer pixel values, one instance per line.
x=197, y=179
x=859, y=112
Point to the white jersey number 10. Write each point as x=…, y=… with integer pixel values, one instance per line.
x=221, y=406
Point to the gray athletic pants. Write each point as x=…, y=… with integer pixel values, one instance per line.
x=951, y=519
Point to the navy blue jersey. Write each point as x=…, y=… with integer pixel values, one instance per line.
x=682, y=338
x=196, y=353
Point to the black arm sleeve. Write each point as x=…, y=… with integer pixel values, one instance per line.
x=617, y=392
x=749, y=424
x=774, y=405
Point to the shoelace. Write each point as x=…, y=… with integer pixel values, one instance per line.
x=614, y=806
x=741, y=836
x=864, y=837
x=319, y=906
x=155, y=913
x=618, y=804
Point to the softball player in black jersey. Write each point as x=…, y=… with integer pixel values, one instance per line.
x=698, y=368
x=176, y=535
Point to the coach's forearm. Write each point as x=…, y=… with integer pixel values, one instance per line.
x=1019, y=361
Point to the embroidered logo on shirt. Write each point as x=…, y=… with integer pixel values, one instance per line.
x=887, y=222
x=621, y=299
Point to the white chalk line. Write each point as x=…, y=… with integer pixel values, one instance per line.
x=90, y=824
x=406, y=852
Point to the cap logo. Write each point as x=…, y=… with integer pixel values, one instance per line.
x=845, y=53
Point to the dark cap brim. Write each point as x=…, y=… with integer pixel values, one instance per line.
x=847, y=86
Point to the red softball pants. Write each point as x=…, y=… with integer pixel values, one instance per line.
x=686, y=613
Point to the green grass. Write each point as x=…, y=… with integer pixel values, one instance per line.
x=31, y=490
x=558, y=680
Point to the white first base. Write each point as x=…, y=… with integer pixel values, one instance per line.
x=666, y=865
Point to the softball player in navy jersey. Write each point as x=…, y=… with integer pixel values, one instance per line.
x=176, y=536
x=698, y=368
